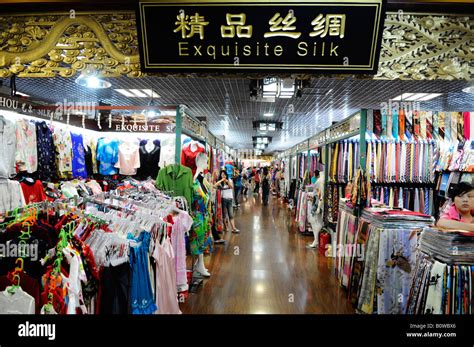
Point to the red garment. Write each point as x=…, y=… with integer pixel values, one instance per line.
x=169, y=219
x=257, y=178
x=34, y=192
x=28, y=284
x=188, y=157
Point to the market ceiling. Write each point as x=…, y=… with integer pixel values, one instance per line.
x=324, y=101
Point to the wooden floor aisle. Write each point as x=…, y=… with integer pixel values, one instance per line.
x=267, y=269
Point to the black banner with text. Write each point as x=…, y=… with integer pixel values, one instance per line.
x=336, y=37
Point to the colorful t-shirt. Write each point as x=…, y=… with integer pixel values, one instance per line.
x=78, y=156
x=107, y=155
x=33, y=192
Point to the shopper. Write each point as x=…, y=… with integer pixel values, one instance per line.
x=216, y=235
x=237, y=187
x=226, y=186
x=245, y=184
x=266, y=180
x=460, y=213
x=256, y=180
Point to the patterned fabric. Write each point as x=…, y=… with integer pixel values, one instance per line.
x=107, y=155
x=26, y=148
x=367, y=288
x=78, y=156
x=396, y=262
x=358, y=266
x=63, y=143
x=200, y=235
x=46, y=152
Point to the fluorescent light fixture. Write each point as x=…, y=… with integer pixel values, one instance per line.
x=271, y=127
x=263, y=127
x=21, y=94
x=150, y=93
x=416, y=96
x=469, y=90
x=429, y=97
x=138, y=93
x=270, y=114
x=402, y=97
x=125, y=93
x=270, y=88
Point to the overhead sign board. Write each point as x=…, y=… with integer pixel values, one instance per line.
x=328, y=36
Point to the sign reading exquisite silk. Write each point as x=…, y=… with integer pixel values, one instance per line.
x=338, y=37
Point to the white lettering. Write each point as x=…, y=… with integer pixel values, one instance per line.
x=37, y=330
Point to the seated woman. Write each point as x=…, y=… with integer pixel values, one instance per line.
x=460, y=215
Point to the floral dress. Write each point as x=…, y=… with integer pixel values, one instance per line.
x=63, y=143
x=26, y=152
x=200, y=236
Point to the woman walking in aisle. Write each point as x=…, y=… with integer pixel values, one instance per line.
x=256, y=179
x=245, y=184
x=226, y=186
x=266, y=179
x=237, y=187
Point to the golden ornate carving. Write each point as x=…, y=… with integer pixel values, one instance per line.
x=58, y=45
x=420, y=47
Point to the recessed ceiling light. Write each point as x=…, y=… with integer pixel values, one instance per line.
x=270, y=114
x=92, y=82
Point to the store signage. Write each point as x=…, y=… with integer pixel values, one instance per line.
x=144, y=128
x=341, y=36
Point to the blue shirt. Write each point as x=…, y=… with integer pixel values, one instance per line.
x=78, y=156
x=238, y=181
x=107, y=155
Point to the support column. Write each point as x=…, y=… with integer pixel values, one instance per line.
x=179, y=114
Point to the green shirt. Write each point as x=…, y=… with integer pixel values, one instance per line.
x=176, y=179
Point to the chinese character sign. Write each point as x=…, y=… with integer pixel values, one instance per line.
x=235, y=25
x=304, y=36
x=190, y=25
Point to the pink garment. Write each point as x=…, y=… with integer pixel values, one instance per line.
x=467, y=125
x=94, y=186
x=453, y=214
x=128, y=158
x=182, y=224
x=166, y=293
